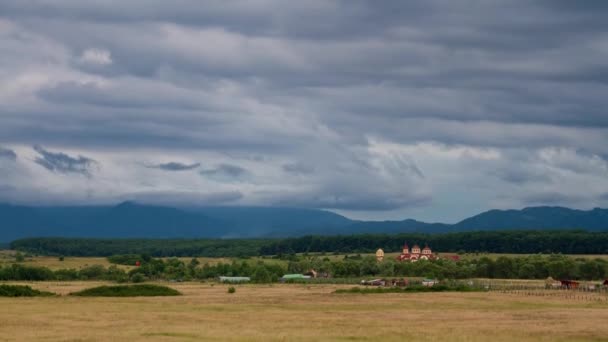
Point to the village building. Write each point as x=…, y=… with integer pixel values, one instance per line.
x=416, y=253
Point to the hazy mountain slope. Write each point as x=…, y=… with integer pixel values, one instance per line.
x=537, y=218
x=269, y=221
x=138, y=220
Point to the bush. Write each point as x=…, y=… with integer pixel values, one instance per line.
x=147, y=290
x=21, y=291
x=231, y=289
x=138, y=278
x=19, y=257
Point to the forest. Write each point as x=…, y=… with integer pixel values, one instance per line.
x=547, y=242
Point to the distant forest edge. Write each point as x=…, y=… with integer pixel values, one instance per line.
x=565, y=242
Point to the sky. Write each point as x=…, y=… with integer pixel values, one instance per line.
x=434, y=110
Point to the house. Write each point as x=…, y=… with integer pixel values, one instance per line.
x=453, y=257
x=374, y=282
x=429, y=282
x=314, y=274
x=416, y=253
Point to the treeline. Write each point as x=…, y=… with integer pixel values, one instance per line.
x=35, y=273
x=518, y=242
x=529, y=267
x=566, y=242
x=173, y=269
x=153, y=247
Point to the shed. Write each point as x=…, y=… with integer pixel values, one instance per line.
x=569, y=284
x=293, y=277
x=235, y=279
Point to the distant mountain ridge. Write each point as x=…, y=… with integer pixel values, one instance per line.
x=130, y=220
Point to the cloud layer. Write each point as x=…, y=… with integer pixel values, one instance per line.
x=434, y=109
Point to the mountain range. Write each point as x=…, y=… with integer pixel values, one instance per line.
x=128, y=219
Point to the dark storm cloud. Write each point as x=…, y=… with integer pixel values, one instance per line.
x=174, y=166
x=63, y=163
x=8, y=154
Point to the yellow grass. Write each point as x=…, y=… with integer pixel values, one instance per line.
x=299, y=313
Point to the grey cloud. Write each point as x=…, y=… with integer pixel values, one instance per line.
x=8, y=154
x=225, y=171
x=184, y=198
x=353, y=199
x=175, y=166
x=63, y=163
x=551, y=198
x=6, y=188
x=521, y=176
x=298, y=168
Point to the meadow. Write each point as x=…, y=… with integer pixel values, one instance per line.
x=292, y=312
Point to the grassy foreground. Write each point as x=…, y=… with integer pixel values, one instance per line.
x=293, y=312
x=143, y=290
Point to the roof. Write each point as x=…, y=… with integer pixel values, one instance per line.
x=295, y=276
x=416, y=246
x=234, y=279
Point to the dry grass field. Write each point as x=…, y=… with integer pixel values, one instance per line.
x=7, y=257
x=298, y=313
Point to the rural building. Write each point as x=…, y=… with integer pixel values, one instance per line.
x=234, y=279
x=569, y=284
x=294, y=277
x=416, y=253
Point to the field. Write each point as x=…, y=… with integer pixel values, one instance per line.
x=300, y=313
x=7, y=257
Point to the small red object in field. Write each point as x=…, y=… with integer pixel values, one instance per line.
x=138, y=263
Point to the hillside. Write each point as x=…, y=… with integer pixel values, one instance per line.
x=132, y=220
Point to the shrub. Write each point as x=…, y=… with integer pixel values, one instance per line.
x=138, y=278
x=21, y=291
x=19, y=257
x=231, y=289
x=143, y=290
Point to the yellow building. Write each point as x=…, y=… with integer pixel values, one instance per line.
x=379, y=254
